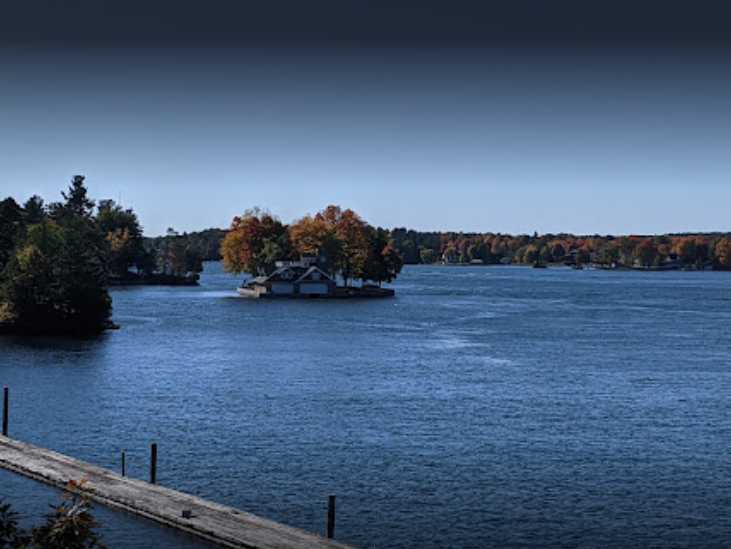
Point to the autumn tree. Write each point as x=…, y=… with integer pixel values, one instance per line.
x=318, y=237
x=531, y=254
x=646, y=253
x=702, y=251
x=254, y=243
x=722, y=252
x=558, y=252
x=350, y=232
x=686, y=250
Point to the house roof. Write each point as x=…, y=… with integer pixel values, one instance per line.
x=309, y=272
x=293, y=273
x=286, y=274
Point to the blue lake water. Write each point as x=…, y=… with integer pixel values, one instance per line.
x=482, y=407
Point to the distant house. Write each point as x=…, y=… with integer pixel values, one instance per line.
x=291, y=279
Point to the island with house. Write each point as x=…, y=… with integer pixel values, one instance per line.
x=304, y=279
x=333, y=254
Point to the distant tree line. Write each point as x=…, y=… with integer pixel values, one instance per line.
x=689, y=250
x=199, y=246
x=692, y=250
x=343, y=243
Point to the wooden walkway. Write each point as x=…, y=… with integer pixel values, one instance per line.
x=223, y=525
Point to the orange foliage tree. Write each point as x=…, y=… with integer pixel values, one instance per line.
x=341, y=241
x=723, y=253
x=254, y=243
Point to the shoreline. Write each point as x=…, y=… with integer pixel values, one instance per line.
x=155, y=280
x=340, y=293
x=10, y=329
x=586, y=267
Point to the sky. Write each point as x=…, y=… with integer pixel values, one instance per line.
x=558, y=116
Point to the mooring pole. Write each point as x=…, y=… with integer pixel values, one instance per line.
x=6, y=406
x=330, y=517
x=153, y=463
x=124, y=464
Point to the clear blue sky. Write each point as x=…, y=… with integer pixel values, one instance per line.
x=436, y=139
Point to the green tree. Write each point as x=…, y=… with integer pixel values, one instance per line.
x=55, y=280
x=76, y=202
x=123, y=233
x=176, y=256
x=393, y=263
x=34, y=210
x=69, y=525
x=450, y=254
x=53, y=285
x=11, y=225
x=11, y=535
x=428, y=256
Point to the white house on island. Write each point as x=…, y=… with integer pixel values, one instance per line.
x=291, y=279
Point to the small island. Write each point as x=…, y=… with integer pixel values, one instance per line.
x=318, y=256
x=57, y=262
x=304, y=279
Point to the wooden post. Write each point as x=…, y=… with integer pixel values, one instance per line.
x=6, y=405
x=153, y=463
x=124, y=464
x=330, y=517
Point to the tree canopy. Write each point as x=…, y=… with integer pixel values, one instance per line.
x=55, y=277
x=341, y=241
x=57, y=261
x=254, y=243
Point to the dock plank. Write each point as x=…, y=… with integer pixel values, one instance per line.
x=220, y=524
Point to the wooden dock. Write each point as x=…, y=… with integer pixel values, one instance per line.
x=216, y=523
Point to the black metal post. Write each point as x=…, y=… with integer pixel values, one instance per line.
x=330, y=517
x=124, y=463
x=153, y=463
x=6, y=407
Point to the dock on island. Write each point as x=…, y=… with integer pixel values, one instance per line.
x=216, y=523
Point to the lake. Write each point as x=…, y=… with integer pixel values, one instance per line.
x=481, y=407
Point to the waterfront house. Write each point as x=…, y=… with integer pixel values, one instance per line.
x=291, y=279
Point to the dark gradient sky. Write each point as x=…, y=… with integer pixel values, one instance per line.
x=509, y=117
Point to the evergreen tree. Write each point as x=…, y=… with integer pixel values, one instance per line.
x=55, y=280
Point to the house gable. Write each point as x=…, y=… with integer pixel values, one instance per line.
x=286, y=274
x=314, y=274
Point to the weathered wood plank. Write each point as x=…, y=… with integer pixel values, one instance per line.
x=220, y=524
